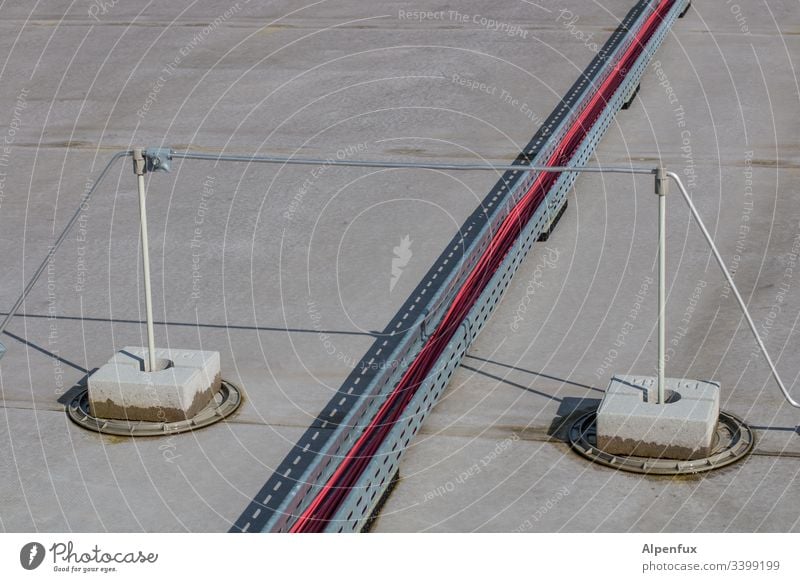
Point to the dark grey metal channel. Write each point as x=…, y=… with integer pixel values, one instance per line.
x=317, y=453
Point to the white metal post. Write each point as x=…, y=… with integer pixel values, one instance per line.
x=661, y=192
x=139, y=169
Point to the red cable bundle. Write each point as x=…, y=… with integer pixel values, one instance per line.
x=328, y=499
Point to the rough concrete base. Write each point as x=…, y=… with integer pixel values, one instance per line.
x=629, y=422
x=123, y=389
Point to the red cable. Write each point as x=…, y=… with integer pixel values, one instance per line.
x=330, y=496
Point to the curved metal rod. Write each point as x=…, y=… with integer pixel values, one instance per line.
x=61, y=238
x=736, y=294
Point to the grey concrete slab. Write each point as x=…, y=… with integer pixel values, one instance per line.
x=179, y=384
x=292, y=271
x=58, y=477
x=631, y=420
x=512, y=481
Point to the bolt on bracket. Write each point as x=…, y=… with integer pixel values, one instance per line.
x=158, y=159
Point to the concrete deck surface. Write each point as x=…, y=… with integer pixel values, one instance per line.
x=287, y=271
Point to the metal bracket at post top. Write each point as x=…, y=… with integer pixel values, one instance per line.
x=158, y=159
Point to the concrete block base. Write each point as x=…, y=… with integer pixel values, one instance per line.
x=630, y=422
x=183, y=383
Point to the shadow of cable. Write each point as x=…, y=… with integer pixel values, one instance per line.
x=47, y=353
x=570, y=407
x=510, y=383
x=202, y=325
x=532, y=373
x=794, y=429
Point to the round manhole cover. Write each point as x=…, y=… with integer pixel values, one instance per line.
x=734, y=440
x=224, y=403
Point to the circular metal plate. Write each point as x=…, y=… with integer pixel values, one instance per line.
x=224, y=403
x=734, y=440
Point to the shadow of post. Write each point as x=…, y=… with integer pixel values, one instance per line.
x=570, y=409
